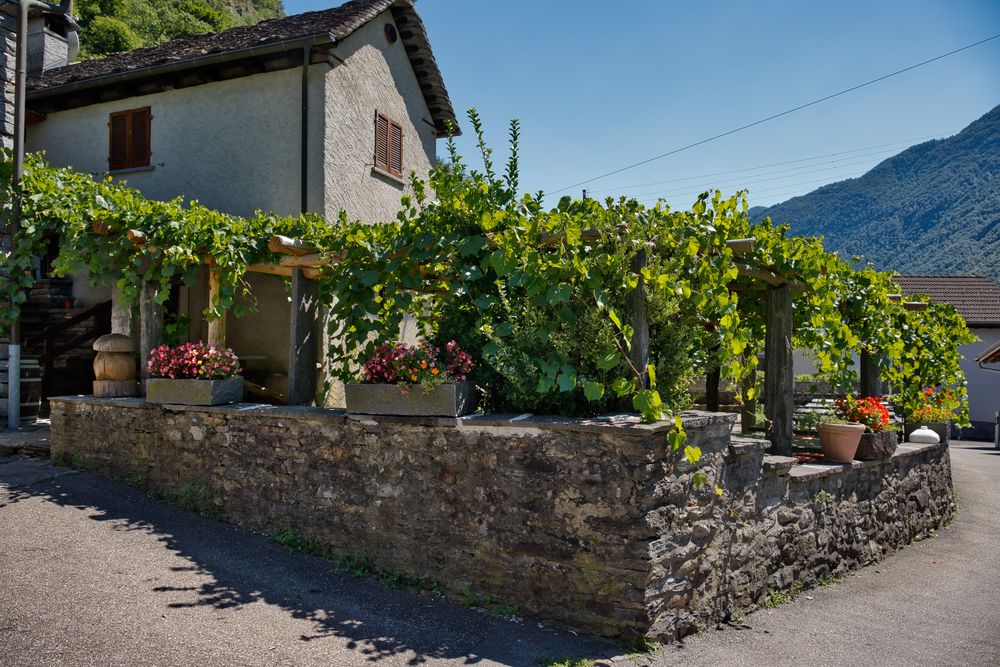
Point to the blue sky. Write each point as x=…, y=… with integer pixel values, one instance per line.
x=599, y=85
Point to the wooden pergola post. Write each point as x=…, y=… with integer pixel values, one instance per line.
x=871, y=374
x=302, y=347
x=748, y=411
x=639, y=349
x=216, y=327
x=779, y=383
x=150, y=325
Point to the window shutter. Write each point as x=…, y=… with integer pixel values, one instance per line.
x=382, y=142
x=139, y=139
x=128, y=144
x=395, y=150
x=118, y=143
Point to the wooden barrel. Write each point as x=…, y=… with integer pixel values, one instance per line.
x=31, y=390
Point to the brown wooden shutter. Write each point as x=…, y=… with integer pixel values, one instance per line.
x=128, y=144
x=139, y=139
x=381, y=142
x=395, y=150
x=118, y=144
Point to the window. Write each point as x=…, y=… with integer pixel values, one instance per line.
x=128, y=145
x=388, y=145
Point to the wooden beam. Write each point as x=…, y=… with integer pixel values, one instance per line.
x=741, y=246
x=770, y=277
x=100, y=227
x=779, y=385
x=915, y=305
x=136, y=237
x=289, y=246
x=216, y=327
x=311, y=260
x=279, y=270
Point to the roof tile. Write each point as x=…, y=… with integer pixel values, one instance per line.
x=977, y=299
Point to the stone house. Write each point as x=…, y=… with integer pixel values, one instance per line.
x=977, y=300
x=318, y=112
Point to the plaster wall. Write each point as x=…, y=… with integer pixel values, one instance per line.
x=374, y=76
x=984, y=385
x=233, y=145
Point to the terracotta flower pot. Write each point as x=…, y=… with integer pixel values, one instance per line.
x=840, y=441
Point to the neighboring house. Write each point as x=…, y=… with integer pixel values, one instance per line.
x=320, y=112
x=978, y=301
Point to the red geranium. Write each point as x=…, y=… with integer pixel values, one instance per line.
x=869, y=410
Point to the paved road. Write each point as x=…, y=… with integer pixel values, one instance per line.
x=96, y=573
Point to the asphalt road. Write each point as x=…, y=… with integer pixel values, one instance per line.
x=96, y=573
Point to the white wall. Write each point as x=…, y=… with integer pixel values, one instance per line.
x=375, y=76
x=984, y=386
x=233, y=145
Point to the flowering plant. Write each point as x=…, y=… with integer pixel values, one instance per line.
x=194, y=361
x=938, y=403
x=399, y=363
x=869, y=410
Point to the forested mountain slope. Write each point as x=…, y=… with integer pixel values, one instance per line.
x=110, y=26
x=932, y=209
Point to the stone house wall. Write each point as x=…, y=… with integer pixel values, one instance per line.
x=587, y=524
x=7, y=52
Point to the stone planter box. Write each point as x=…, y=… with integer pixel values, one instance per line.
x=194, y=392
x=943, y=429
x=875, y=446
x=446, y=400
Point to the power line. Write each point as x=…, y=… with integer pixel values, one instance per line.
x=789, y=187
x=778, y=164
x=777, y=115
x=760, y=178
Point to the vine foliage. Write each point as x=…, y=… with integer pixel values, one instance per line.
x=545, y=297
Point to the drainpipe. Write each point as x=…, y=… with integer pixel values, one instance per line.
x=304, y=169
x=20, y=84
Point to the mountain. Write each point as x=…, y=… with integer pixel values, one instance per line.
x=110, y=26
x=932, y=209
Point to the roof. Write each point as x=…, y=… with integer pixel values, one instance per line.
x=976, y=299
x=288, y=33
x=990, y=355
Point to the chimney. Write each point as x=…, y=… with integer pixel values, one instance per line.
x=52, y=42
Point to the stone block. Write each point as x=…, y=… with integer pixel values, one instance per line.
x=446, y=400
x=194, y=392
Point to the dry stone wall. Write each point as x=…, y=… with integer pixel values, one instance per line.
x=593, y=525
x=7, y=45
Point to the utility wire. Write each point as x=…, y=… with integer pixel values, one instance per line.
x=619, y=188
x=777, y=115
x=765, y=177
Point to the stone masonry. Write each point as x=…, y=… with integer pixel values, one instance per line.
x=7, y=50
x=591, y=525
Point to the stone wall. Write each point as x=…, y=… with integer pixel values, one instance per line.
x=589, y=524
x=7, y=50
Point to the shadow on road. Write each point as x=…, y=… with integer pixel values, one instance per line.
x=232, y=567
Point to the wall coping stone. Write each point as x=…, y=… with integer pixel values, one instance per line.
x=630, y=425
x=739, y=446
x=807, y=472
x=779, y=465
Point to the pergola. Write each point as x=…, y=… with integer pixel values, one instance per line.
x=302, y=264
